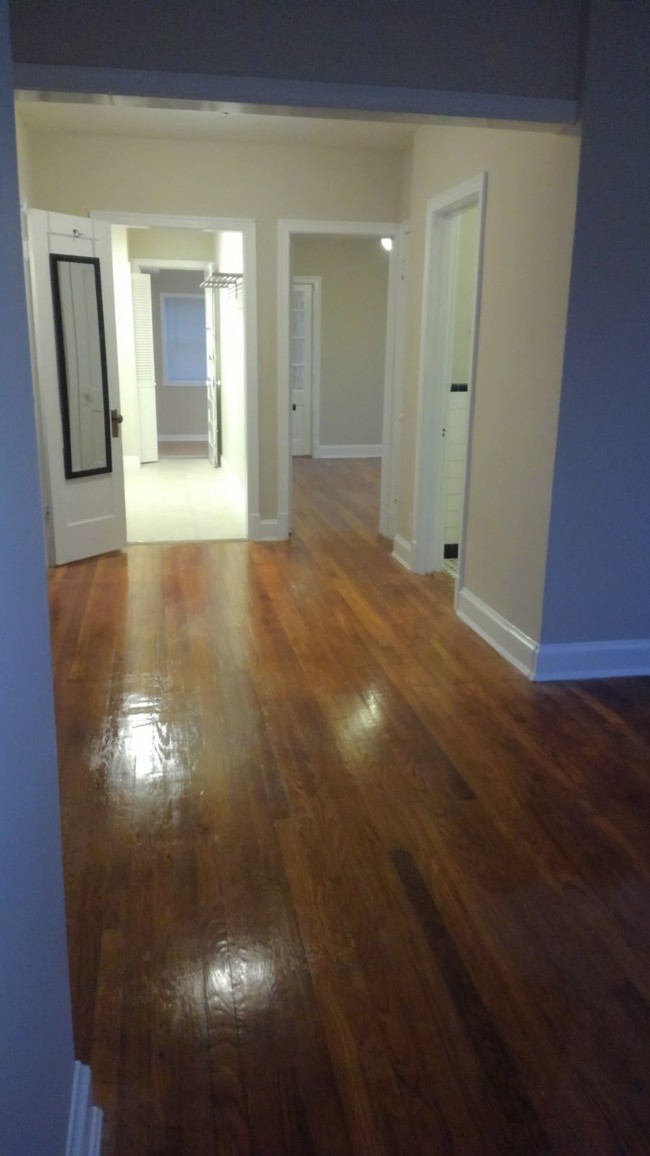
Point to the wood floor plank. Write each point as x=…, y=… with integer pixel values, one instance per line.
x=339, y=880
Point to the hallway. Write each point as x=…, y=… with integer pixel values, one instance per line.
x=339, y=880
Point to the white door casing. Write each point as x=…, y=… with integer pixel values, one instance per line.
x=87, y=514
x=145, y=370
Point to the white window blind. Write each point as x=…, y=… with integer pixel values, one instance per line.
x=184, y=356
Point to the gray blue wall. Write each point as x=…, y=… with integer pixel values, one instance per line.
x=36, y=1052
x=598, y=567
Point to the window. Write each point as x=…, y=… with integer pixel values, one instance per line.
x=183, y=338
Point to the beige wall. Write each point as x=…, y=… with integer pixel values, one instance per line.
x=171, y=244
x=24, y=151
x=354, y=287
x=77, y=173
x=531, y=192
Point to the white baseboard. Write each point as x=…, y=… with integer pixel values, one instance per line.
x=507, y=639
x=577, y=660
x=182, y=437
x=85, y=1121
x=131, y=462
x=268, y=529
x=349, y=451
x=403, y=551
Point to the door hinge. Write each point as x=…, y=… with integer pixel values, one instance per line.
x=47, y=513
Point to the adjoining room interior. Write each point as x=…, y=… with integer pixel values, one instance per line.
x=338, y=349
x=174, y=492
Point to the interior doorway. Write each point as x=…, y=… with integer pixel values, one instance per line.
x=189, y=479
x=346, y=421
x=450, y=312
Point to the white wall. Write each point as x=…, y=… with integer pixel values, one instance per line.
x=354, y=288
x=230, y=259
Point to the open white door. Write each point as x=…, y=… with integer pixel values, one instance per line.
x=145, y=372
x=213, y=379
x=301, y=367
x=77, y=383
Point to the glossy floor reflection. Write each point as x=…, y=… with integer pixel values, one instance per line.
x=339, y=880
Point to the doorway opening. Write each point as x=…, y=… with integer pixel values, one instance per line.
x=452, y=278
x=337, y=294
x=188, y=347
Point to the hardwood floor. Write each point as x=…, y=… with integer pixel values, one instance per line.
x=339, y=880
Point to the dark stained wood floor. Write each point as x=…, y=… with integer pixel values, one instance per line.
x=339, y=880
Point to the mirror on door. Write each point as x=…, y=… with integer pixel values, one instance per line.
x=81, y=355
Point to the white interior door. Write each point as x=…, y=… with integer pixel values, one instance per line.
x=79, y=419
x=213, y=380
x=301, y=363
x=145, y=370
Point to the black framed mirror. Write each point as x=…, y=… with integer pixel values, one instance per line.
x=81, y=358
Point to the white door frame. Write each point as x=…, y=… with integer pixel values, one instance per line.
x=435, y=362
x=245, y=226
x=287, y=229
x=316, y=299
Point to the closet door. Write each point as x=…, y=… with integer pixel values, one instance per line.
x=213, y=380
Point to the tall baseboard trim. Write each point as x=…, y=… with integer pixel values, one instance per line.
x=85, y=1122
x=349, y=451
x=182, y=437
x=131, y=462
x=403, y=551
x=508, y=640
x=576, y=660
x=268, y=529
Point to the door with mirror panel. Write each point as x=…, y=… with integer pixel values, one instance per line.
x=76, y=384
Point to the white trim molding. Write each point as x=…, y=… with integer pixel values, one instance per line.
x=268, y=529
x=371, y=451
x=85, y=1121
x=508, y=640
x=576, y=660
x=403, y=552
x=182, y=437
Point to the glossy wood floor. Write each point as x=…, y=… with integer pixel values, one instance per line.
x=339, y=880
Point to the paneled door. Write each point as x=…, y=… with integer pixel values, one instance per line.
x=76, y=384
x=301, y=366
x=213, y=380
